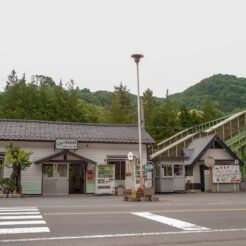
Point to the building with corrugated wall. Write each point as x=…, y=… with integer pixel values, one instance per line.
x=72, y=157
x=207, y=164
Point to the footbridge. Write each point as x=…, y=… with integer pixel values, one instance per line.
x=231, y=129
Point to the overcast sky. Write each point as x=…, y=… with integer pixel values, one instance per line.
x=91, y=41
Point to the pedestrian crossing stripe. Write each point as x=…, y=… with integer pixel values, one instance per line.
x=24, y=230
x=23, y=222
x=21, y=217
x=18, y=213
x=15, y=216
x=19, y=210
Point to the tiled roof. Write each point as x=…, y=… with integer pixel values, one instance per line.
x=31, y=130
x=196, y=147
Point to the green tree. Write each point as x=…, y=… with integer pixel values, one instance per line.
x=195, y=116
x=184, y=117
x=12, y=78
x=18, y=159
x=91, y=113
x=150, y=104
x=99, y=98
x=120, y=109
x=188, y=118
x=13, y=98
x=43, y=80
x=41, y=99
x=22, y=100
x=45, y=100
x=209, y=111
x=166, y=121
x=150, y=109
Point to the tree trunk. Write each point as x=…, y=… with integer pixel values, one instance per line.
x=18, y=179
x=14, y=173
x=16, y=176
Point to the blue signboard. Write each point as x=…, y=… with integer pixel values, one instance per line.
x=149, y=166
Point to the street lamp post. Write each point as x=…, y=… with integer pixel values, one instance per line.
x=137, y=58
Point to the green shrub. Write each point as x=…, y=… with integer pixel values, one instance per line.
x=7, y=185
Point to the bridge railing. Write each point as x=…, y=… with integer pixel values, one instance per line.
x=182, y=134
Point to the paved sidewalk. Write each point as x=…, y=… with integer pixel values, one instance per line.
x=168, y=199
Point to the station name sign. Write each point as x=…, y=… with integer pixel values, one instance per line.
x=66, y=144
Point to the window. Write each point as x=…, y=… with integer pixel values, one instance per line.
x=48, y=171
x=55, y=171
x=120, y=168
x=178, y=170
x=62, y=170
x=188, y=171
x=157, y=170
x=167, y=170
x=1, y=168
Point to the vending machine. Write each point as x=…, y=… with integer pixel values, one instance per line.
x=105, y=179
x=90, y=179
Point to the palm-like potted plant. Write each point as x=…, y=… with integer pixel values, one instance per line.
x=7, y=187
x=18, y=159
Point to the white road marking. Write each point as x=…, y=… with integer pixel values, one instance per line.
x=21, y=217
x=171, y=222
x=19, y=210
x=20, y=213
x=23, y=222
x=24, y=230
x=119, y=235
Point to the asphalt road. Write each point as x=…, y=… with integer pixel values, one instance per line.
x=177, y=219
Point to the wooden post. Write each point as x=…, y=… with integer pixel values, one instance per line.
x=153, y=179
x=210, y=179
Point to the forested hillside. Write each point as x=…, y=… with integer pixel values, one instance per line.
x=44, y=99
x=227, y=92
x=99, y=98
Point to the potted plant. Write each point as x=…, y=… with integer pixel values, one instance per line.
x=139, y=193
x=7, y=187
x=18, y=159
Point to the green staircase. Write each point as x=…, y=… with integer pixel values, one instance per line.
x=231, y=129
x=237, y=141
x=184, y=135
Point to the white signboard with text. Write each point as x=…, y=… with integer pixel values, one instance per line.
x=226, y=174
x=66, y=144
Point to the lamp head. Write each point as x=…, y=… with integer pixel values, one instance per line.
x=137, y=57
